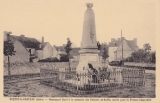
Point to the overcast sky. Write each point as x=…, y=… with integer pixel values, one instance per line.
x=57, y=20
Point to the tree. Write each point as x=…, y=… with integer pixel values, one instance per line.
x=147, y=49
x=68, y=48
x=105, y=53
x=140, y=54
x=8, y=49
x=153, y=57
x=133, y=55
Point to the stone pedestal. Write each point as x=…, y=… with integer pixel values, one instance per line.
x=83, y=68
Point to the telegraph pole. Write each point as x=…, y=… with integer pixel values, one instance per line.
x=122, y=47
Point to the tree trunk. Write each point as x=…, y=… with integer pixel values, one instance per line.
x=9, y=72
x=69, y=65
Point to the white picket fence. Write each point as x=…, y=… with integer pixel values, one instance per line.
x=82, y=83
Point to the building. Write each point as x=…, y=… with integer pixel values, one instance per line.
x=115, y=48
x=112, y=47
x=111, y=53
x=59, y=51
x=74, y=52
x=29, y=49
x=45, y=50
x=129, y=46
x=25, y=48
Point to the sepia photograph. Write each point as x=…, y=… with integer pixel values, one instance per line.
x=78, y=48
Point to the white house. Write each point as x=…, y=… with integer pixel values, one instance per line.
x=45, y=50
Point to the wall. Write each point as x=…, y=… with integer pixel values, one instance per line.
x=111, y=53
x=47, y=51
x=55, y=52
x=39, y=54
x=21, y=55
x=126, y=51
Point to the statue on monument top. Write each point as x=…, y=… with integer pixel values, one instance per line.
x=89, y=5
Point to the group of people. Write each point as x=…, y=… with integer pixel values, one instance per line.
x=97, y=75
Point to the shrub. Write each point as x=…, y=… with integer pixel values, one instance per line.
x=64, y=58
x=52, y=59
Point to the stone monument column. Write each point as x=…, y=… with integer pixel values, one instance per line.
x=89, y=30
x=89, y=50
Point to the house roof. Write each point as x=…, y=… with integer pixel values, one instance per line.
x=61, y=48
x=132, y=45
x=44, y=44
x=116, y=43
x=26, y=41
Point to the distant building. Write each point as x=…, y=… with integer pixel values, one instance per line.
x=112, y=47
x=29, y=49
x=129, y=46
x=58, y=51
x=45, y=50
x=115, y=48
x=25, y=48
x=74, y=52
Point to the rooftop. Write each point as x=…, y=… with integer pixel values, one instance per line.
x=26, y=41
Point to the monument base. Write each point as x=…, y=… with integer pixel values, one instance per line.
x=83, y=68
x=91, y=58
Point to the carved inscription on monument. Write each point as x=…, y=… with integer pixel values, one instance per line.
x=91, y=35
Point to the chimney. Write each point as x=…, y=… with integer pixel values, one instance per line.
x=6, y=35
x=135, y=40
x=42, y=39
x=22, y=35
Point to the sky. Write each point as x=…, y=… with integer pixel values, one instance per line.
x=57, y=20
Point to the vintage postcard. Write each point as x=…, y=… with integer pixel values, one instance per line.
x=79, y=50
